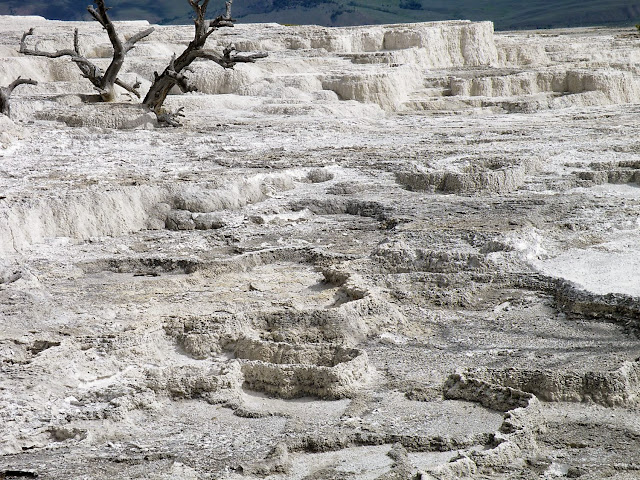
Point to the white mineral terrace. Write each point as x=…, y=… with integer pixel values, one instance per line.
x=381, y=252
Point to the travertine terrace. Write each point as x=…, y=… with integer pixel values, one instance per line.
x=388, y=252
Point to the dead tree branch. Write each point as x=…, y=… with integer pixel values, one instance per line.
x=103, y=82
x=173, y=74
x=5, y=93
x=110, y=77
x=60, y=53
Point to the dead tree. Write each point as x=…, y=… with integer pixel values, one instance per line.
x=5, y=93
x=173, y=74
x=103, y=82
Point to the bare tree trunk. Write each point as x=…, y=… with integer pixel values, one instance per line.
x=173, y=74
x=105, y=82
x=5, y=93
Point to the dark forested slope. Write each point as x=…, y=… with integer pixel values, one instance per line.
x=506, y=14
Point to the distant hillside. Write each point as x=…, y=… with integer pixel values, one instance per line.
x=506, y=14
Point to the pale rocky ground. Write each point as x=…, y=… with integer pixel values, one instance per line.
x=390, y=252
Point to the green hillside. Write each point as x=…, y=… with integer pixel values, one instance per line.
x=506, y=14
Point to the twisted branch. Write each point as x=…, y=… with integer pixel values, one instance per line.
x=173, y=74
x=5, y=93
x=103, y=82
x=229, y=59
x=110, y=76
x=60, y=53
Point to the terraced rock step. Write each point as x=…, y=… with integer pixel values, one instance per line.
x=289, y=371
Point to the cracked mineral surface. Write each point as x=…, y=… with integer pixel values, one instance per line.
x=388, y=252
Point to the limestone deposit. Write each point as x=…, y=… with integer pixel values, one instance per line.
x=385, y=252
